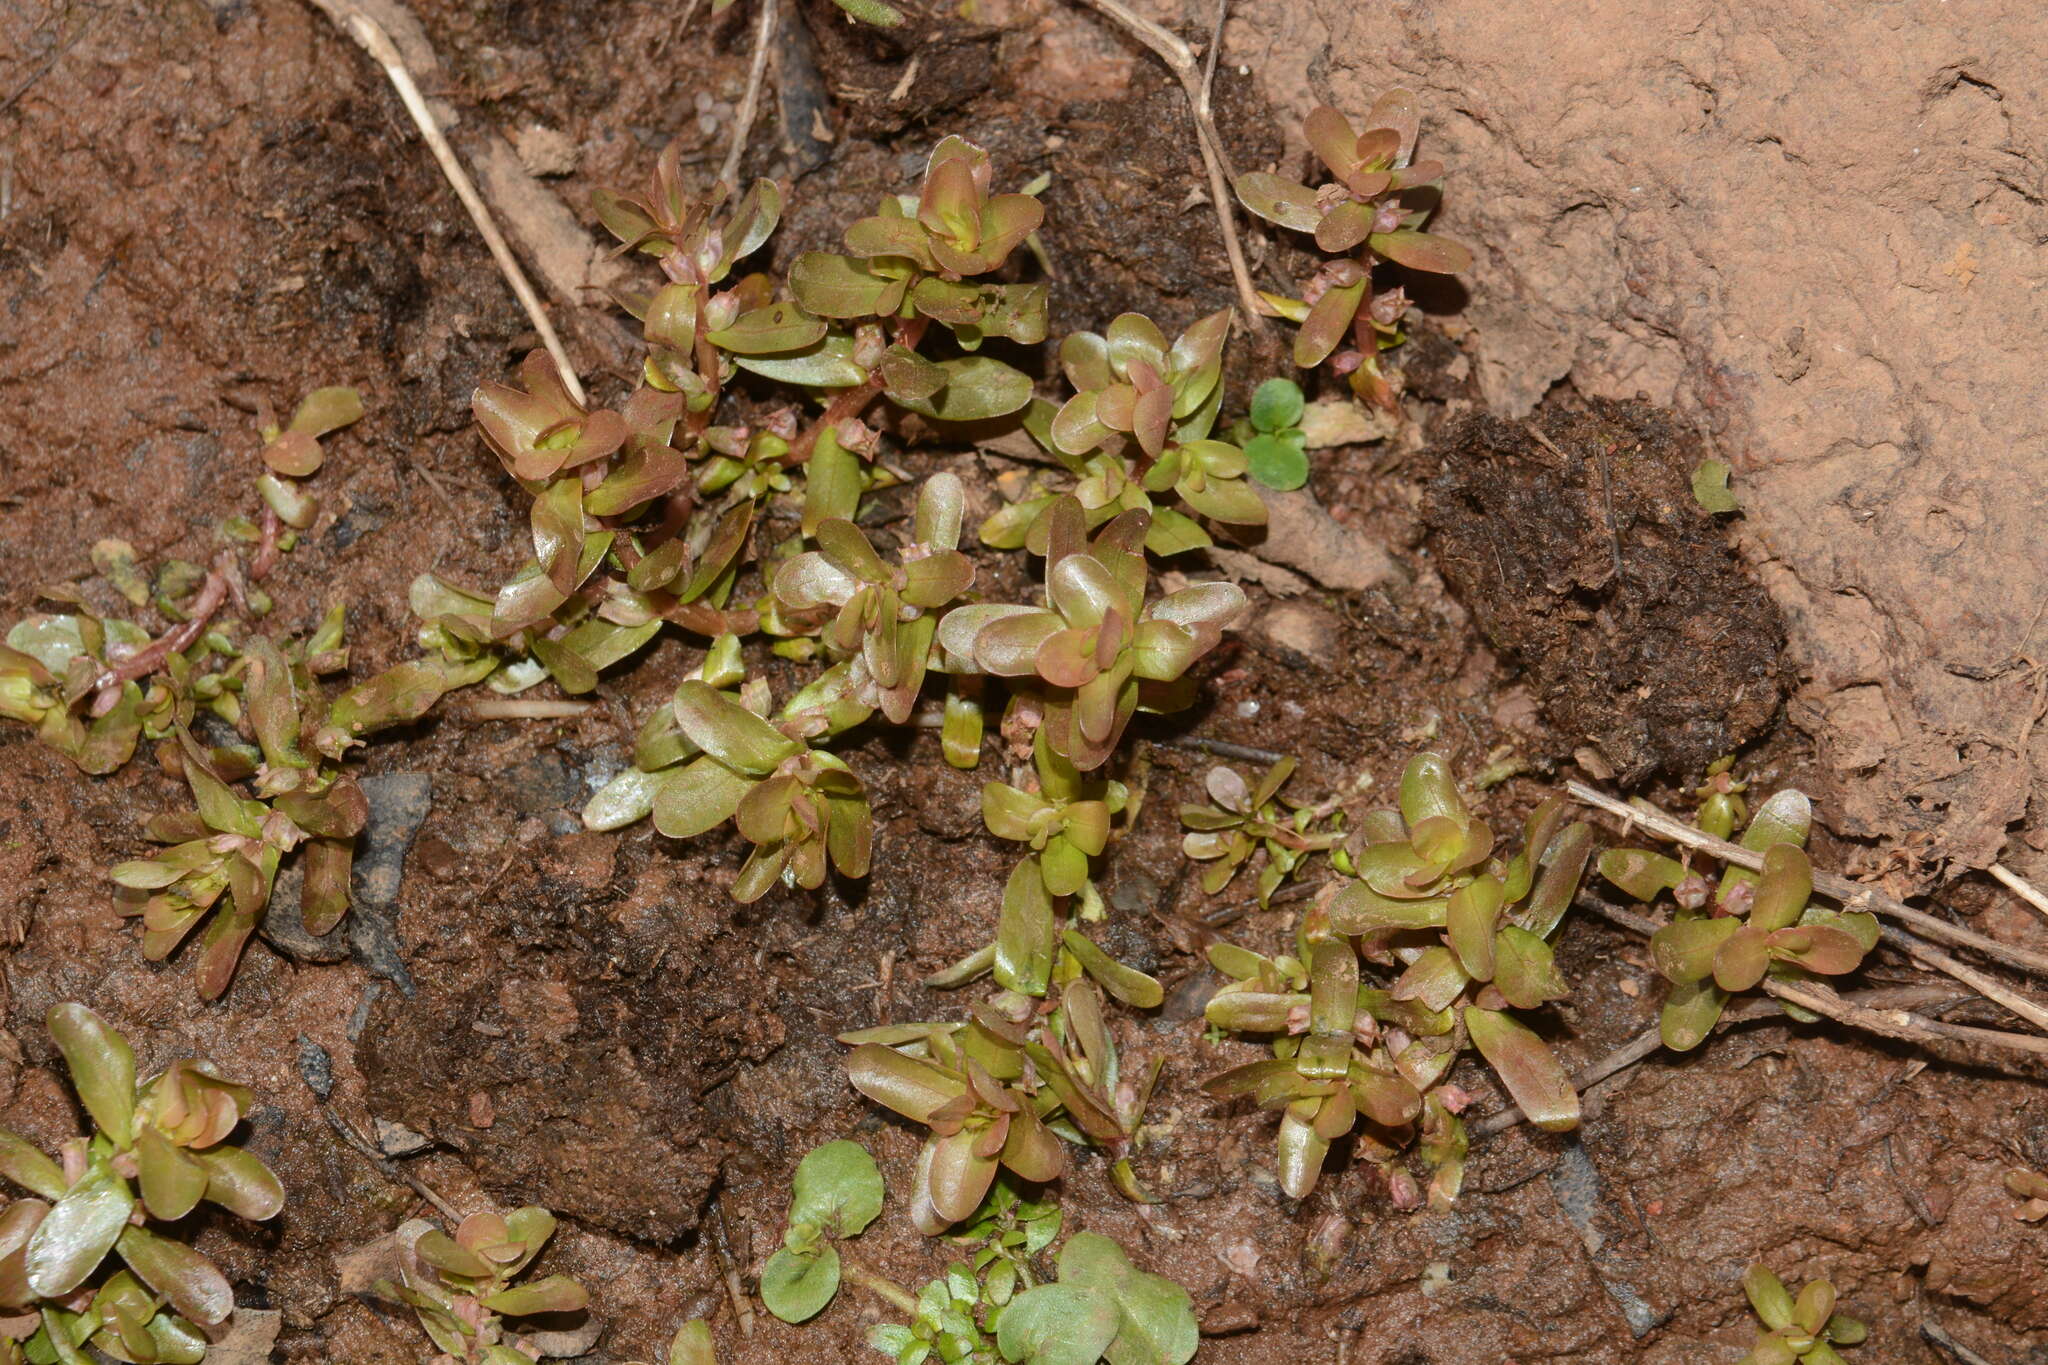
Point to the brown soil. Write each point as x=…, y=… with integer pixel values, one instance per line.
x=210, y=203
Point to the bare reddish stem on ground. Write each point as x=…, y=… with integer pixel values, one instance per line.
x=151, y=656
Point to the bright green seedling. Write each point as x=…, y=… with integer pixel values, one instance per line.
x=1372, y=210
x=1727, y=939
x=1802, y=1331
x=946, y=1323
x=1101, y=1308
x=886, y=613
x=1275, y=446
x=1246, y=819
x=1472, y=932
x=1091, y=650
x=1010, y=1229
x=836, y=1193
x=157, y=1150
x=465, y=1289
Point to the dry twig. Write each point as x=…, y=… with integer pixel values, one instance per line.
x=1188, y=69
x=371, y=37
x=2020, y=887
x=750, y=102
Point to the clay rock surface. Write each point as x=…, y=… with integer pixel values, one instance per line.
x=1817, y=229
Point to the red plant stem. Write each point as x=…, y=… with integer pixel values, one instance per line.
x=267, y=553
x=151, y=656
x=853, y=401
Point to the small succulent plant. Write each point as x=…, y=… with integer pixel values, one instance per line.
x=945, y=1323
x=1726, y=939
x=1245, y=819
x=1275, y=446
x=1371, y=210
x=885, y=611
x=837, y=1191
x=999, y=1092
x=1801, y=1331
x=157, y=1150
x=1096, y=641
x=1470, y=933
x=466, y=1289
x=291, y=452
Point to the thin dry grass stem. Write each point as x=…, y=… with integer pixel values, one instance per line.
x=750, y=102
x=2020, y=887
x=1188, y=69
x=371, y=37
x=1852, y=895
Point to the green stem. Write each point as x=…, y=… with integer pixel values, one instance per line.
x=880, y=1287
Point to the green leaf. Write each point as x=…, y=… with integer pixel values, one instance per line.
x=191, y=1282
x=1158, y=1318
x=1768, y=1296
x=325, y=410
x=729, y=732
x=172, y=1181
x=835, y=286
x=692, y=1345
x=551, y=1294
x=239, y=1182
x=1279, y=201
x=836, y=1185
x=1527, y=1067
x=698, y=797
x=796, y=1288
x=1127, y=984
x=1710, y=487
x=977, y=388
x=1024, y=931
x=1422, y=251
x=827, y=364
x=1277, y=405
x=910, y=1086
x=872, y=12
x=29, y=1168
x=769, y=331
x=1690, y=1013
x=1278, y=462
x=1058, y=1324
x=78, y=1232
x=102, y=1068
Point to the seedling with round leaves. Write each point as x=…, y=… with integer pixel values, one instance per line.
x=1245, y=819
x=1100, y=1308
x=1275, y=446
x=945, y=1323
x=1096, y=642
x=837, y=1191
x=691, y=1345
x=157, y=1150
x=1009, y=1229
x=466, y=1289
x=1371, y=210
x=291, y=451
x=886, y=613
x=1801, y=1331
x=1727, y=939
